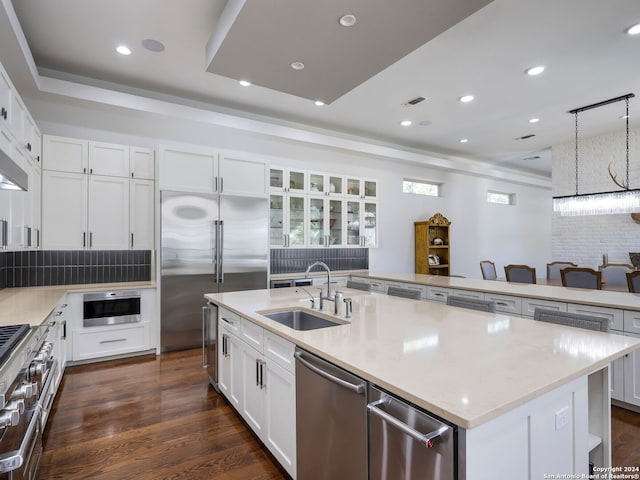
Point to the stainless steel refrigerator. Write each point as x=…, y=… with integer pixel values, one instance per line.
x=209, y=244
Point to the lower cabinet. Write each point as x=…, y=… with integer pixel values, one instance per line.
x=96, y=342
x=625, y=376
x=258, y=379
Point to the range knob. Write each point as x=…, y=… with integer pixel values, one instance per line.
x=9, y=418
x=17, y=405
x=25, y=391
x=36, y=369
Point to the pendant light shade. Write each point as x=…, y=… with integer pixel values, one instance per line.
x=625, y=200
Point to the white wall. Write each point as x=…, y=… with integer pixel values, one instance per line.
x=584, y=240
x=504, y=234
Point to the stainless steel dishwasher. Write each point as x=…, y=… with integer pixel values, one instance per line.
x=406, y=443
x=331, y=421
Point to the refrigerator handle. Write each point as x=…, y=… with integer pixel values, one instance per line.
x=221, y=251
x=205, y=336
x=214, y=248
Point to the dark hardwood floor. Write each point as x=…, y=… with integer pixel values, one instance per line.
x=148, y=418
x=152, y=418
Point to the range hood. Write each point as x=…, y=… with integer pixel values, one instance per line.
x=12, y=177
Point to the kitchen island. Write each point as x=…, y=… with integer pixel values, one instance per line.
x=525, y=395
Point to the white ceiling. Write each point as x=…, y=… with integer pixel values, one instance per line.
x=582, y=43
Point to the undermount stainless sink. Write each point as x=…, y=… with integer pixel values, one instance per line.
x=300, y=319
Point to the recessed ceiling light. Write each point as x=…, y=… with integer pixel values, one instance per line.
x=347, y=20
x=464, y=140
x=633, y=30
x=297, y=65
x=466, y=98
x=405, y=123
x=244, y=83
x=153, y=45
x=535, y=70
x=123, y=50
x=534, y=120
x=319, y=103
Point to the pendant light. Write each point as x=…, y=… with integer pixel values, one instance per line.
x=625, y=200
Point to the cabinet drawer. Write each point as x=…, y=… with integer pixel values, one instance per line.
x=505, y=303
x=414, y=288
x=631, y=321
x=110, y=341
x=231, y=320
x=529, y=306
x=468, y=294
x=438, y=294
x=615, y=316
x=279, y=350
x=377, y=285
x=252, y=334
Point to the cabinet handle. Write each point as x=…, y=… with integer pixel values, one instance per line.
x=113, y=341
x=84, y=239
x=221, y=184
x=90, y=239
x=38, y=237
x=132, y=240
x=226, y=320
x=64, y=329
x=84, y=170
x=28, y=146
x=262, y=385
x=131, y=174
x=91, y=170
x=258, y=373
x=215, y=180
x=38, y=158
x=3, y=113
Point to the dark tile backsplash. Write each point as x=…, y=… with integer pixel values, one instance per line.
x=295, y=260
x=66, y=267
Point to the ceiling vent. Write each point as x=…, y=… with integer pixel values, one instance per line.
x=524, y=137
x=414, y=101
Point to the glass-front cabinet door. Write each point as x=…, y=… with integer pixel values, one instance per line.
x=370, y=223
x=277, y=221
x=287, y=180
x=335, y=185
x=353, y=223
x=336, y=223
x=370, y=189
x=296, y=205
x=353, y=187
x=316, y=183
x=316, y=222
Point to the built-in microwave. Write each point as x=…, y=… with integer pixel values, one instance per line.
x=111, y=308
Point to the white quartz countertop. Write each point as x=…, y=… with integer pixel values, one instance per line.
x=603, y=298
x=465, y=366
x=33, y=305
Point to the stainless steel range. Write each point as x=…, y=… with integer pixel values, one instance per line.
x=27, y=369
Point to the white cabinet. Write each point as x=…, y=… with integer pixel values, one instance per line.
x=142, y=163
x=529, y=306
x=16, y=121
x=142, y=214
x=108, y=159
x=64, y=154
x=191, y=169
x=85, y=211
x=616, y=372
x=615, y=316
x=32, y=138
x=438, y=294
x=108, y=213
x=327, y=221
x=287, y=220
x=364, y=189
x=468, y=294
x=362, y=223
x=290, y=180
x=95, y=195
x=632, y=375
x=64, y=210
x=6, y=92
x=96, y=342
x=505, y=303
x=377, y=285
x=256, y=373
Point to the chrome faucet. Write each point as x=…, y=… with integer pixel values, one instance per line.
x=313, y=300
x=323, y=265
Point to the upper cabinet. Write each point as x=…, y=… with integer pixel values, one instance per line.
x=97, y=195
x=142, y=163
x=63, y=154
x=6, y=91
x=339, y=210
x=108, y=159
x=202, y=170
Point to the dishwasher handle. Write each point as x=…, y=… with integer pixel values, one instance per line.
x=359, y=388
x=424, y=438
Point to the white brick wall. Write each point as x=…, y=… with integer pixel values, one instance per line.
x=584, y=240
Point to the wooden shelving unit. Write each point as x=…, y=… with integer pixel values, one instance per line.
x=432, y=249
